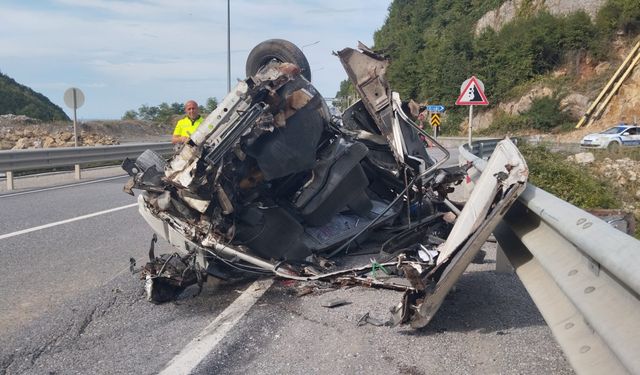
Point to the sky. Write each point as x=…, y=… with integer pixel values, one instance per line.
x=126, y=53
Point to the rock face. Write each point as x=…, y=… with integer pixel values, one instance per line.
x=496, y=18
x=35, y=137
x=484, y=119
x=575, y=104
x=623, y=171
x=524, y=103
x=21, y=132
x=625, y=105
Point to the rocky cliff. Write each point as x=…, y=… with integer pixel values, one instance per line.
x=577, y=96
x=496, y=18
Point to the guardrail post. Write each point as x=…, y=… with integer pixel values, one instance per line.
x=9, y=175
x=502, y=262
x=77, y=166
x=481, y=152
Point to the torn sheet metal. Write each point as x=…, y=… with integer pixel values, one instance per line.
x=272, y=184
x=505, y=168
x=502, y=181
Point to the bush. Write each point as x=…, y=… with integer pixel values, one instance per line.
x=450, y=125
x=569, y=182
x=433, y=48
x=545, y=114
x=164, y=113
x=505, y=123
x=617, y=15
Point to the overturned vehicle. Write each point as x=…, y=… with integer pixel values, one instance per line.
x=272, y=183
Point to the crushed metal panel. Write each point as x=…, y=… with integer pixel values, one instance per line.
x=504, y=178
x=222, y=114
x=505, y=168
x=160, y=227
x=367, y=71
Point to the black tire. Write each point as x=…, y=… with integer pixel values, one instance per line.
x=280, y=50
x=613, y=146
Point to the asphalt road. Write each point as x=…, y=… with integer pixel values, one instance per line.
x=70, y=306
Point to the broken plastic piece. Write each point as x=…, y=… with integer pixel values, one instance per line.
x=367, y=319
x=335, y=303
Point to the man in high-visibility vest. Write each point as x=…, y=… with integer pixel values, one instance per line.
x=188, y=124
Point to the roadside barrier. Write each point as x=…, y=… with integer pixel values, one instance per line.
x=33, y=159
x=581, y=273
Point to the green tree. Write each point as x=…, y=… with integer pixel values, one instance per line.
x=617, y=15
x=130, y=115
x=165, y=113
x=177, y=108
x=433, y=46
x=148, y=113
x=212, y=104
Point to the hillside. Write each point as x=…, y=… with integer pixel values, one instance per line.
x=542, y=62
x=18, y=99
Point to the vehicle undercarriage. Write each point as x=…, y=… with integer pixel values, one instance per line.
x=272, y=184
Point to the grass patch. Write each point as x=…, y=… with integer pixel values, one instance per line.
x=570, y=182
x=584, y=186
x=620, y=153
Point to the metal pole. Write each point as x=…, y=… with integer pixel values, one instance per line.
x=228, y=45
x=75, y=107
x=470, y=124
x=75, y=131
x=310, y=44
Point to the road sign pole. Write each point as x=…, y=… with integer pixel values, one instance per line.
x=75, y=120
x=75, y=132
x=74, y=98
x=470, y=125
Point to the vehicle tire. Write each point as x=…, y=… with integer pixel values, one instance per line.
x=280, y=50
x=613, y=146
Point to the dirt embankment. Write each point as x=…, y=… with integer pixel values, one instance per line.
x=21, y=132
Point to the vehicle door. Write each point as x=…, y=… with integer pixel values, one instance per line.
x=634, y=136
x=627, y=137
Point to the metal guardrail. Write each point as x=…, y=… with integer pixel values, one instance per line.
x=581, y=273
x=484, y=147
x=20, y=160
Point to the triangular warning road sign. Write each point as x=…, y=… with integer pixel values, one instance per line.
x=472, y=94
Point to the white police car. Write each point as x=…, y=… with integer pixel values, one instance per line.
x=614, y=137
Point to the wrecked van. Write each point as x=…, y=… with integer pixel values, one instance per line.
x=272, y=184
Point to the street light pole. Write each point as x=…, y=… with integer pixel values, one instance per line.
x=228, y=46
x=310, y=44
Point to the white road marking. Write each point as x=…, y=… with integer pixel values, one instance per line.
x=61, y=187
x=192, y=354
x=25, y=231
